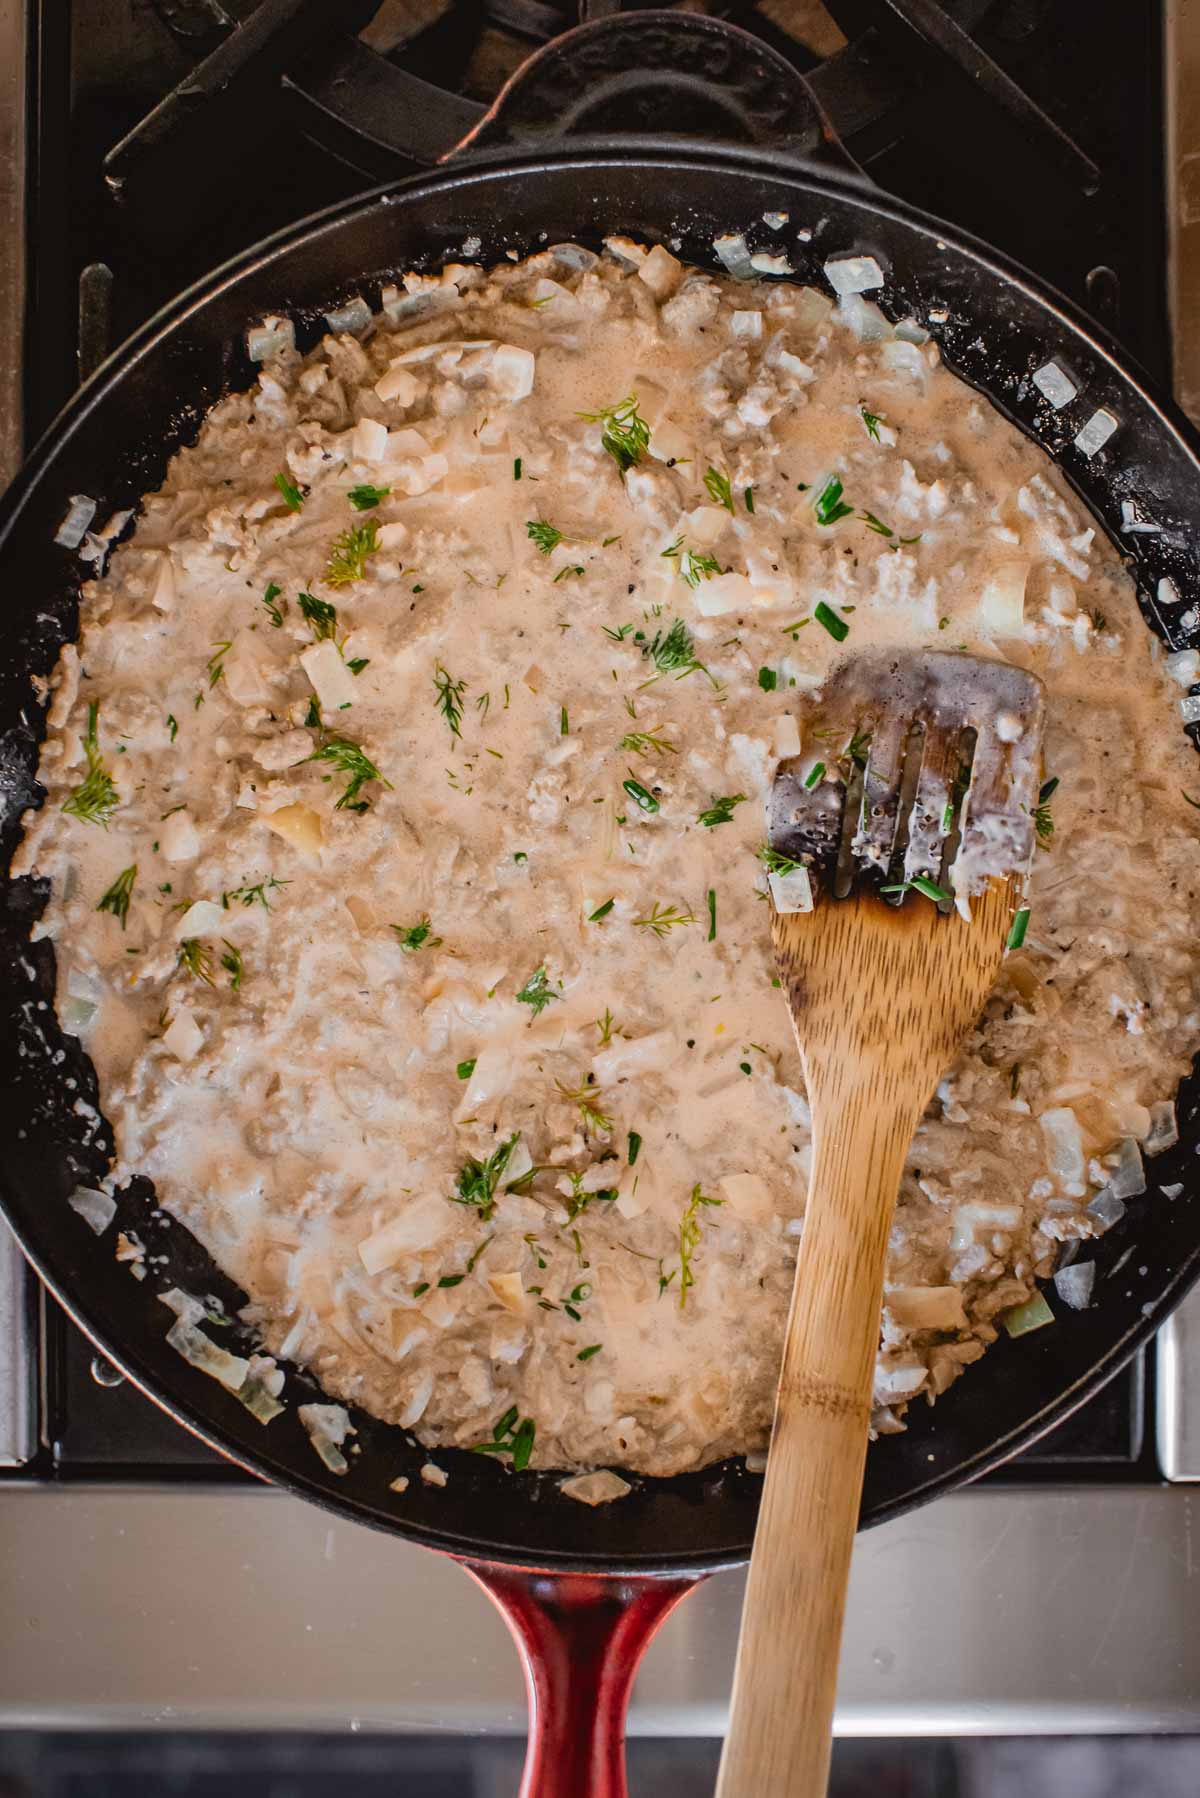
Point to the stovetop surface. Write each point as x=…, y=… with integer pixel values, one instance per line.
x=97, y=269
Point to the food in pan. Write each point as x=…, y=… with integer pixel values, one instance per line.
x=404, y=822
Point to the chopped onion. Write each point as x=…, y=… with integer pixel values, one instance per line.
x=1106, y=1209
x=1055, y=385
x=1130, y=1177
x=1189, y=708
x=1064, y=1143
x=1167, y=593
x=573, y=255
x=407, y=308
x=97, y=1209
x=792, y=892
x=907, y=330
x=354, y=316
x=80, y=514
x=328, y=1426
x=775, y=221
x=1173, y=1191
x=770, y=265
x=1164, y=1128
x=1034, y=1314
x=270, y=338
x=860, y=316
x=1133, y=519
x=1183, y=666
x=200, y=1350
x=1074, y=1284
x=853, y=274
x=735, y=256
x=260, y=1394
x=1095, y=433
x=599, y=1488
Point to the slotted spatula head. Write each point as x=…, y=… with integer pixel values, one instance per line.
x=899, y=843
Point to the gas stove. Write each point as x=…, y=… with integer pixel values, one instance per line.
x=149, y=143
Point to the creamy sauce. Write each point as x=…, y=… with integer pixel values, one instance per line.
x=549, y=924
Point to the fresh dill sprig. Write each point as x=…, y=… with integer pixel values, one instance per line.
x=270, y=600
x=537, y=992
x=216, y=662
x=605, y=1026
x=625, y=436
x=416, y=936
x=319, y=614
x=775, y=862
x=689, y=1240
x=449, y=698
x=348, y=554
x=544, y=535
x=647, y=742
x=664, y=918
x=719, y=488
x=1043, y=822
x=672, y=652
x=352, y=760
x=116, y=900
x=477, y=1180
x=695, y=565
x=871, y=422
x=233, y=965
x=94, y=800
x=195, y=958
x=255, y=895
x=587, y=1100
x=721, y=810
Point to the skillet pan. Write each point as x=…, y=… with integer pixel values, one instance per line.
x=607, y=1575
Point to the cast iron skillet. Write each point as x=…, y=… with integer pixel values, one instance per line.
x=996, y=327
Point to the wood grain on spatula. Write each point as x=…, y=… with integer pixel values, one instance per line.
x=883, y=989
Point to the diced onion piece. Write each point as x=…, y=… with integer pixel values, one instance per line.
x=1055, y=385
x=1129, y=1180
x=183, y=1037
x=414, y=1410
x=764, y=264
x=353, y=316
x=599, y=1488
x=179, y=838
x=263, y=1385
x=162, y=594
x=201, y=1351
x=1133, y=519
x=795, y=366
x=907, y=330
x=508, y=1290
x=1189, y=708
x=491, y=1078
x=1002, y=601
x=1032, y=1315
x=745, y=324
x=927, y=1307
x=704, y=524
x=1064, y=1143
x=1173, y=1190
x=1167, y=594
x=512, y=371
x=422, y=1223
x=369, y=440
x=80, y=513
x=787, y=736
x=298, y=825
x=670, y=443
x=749, y=1194
x=1095, y=433
x=775, y=221
x=1183, y=666
x=1106, y=1209
x=243, y=671
x=791, y=892
x=332, y=681
x=204, y=918
x=97, y=1209
x=853, y=274
x=1074, y=1284
x=433, y=1475
x=397, y=384
x=1164, y=1128
x=634, y=1056
x=270, y=338
x=661, y=272
x=328, y=1426
x=861, y=317
x=735, y=255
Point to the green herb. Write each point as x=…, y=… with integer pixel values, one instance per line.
x=640, y=795
x=1020, y=925
x=270, y=600
x=416, y=936
x=618, y=636
x=829, y=505
x=544, y=535
x=803, y=486
x=768, y=680
x=625, y=436
x=564, y=723
x=672, y=653
x=419, y=1288
x=216, y=664
x=511, y=1438
x=319, y=614
x=814, y=774
x=601, y=911
x=348, y=556
x=748, y=498
x=1043, y=823
x=477, y=1180
x=885, y=530
x=635, y=1143
x=364, y=497
x=293, y=499
x=350, y=759
x=712, y=914
x=571, y=572
x=663, y=919
x=745, y=1067
x=520, y=856
x=195, y=958
x=920, y=883
x=775, y=862
x=233, y=965
x=449, y=700
x=856, y=749
x=448, y=1280
x=587, y=1099
x=198, y=702
x=837, y=627
x=537, y=992
x=94, y=800
x=116, y=900
x=689, y=1240
x=872, y=422
x=587, y=1353
x=695, y=565
x=465, y=1069
x=721, y=810
x=516, y=468
x=604, y=1026
x=256, y=895
x=172, y=726
x=358, y=663
x=312, y=717
x=647, y=742
x=720, y=491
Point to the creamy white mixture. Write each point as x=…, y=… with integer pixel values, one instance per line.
x=414, y=851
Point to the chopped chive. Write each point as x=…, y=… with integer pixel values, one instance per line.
x=1020, y=925
x=712, y=914
x=564, y=727
x=293, y=499
x=748, y=496
x=465, y=1069
x=601, y=911
x=587, y=1353
x=837, y=627
x=920, y=883
x=745, y=1067
x=516, y=468
x=768, y=680
x=641, y=797
x=635, y=1143
x=814, y=774
x=829, y=505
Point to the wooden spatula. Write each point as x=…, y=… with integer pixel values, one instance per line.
x=916, y=761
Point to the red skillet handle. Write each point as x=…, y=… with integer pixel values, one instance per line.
x=580, y=1638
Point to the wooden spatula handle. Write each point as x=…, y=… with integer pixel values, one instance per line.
x=786, y=1675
